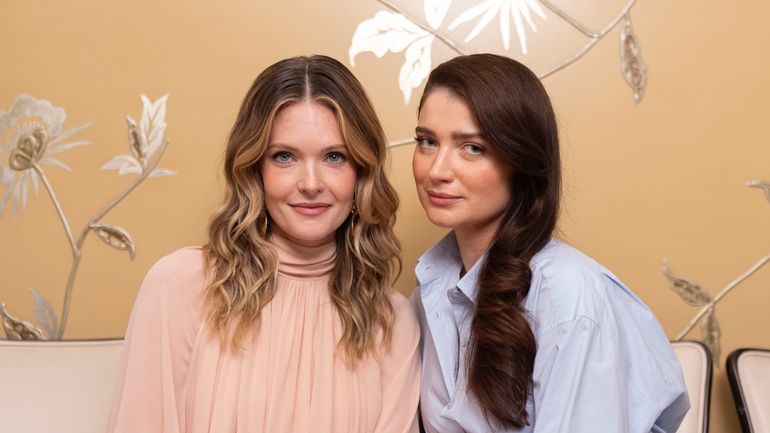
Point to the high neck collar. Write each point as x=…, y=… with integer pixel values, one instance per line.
x=301, y=262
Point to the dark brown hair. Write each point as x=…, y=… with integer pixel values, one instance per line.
x=243, y=264
x=515, y=116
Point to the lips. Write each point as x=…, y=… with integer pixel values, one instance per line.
x=310, y=209
x=442, y=199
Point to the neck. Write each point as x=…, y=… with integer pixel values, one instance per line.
x=302, y=261
x=473, y=242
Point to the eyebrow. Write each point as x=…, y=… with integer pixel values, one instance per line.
x=329, y=148
x=455, y=135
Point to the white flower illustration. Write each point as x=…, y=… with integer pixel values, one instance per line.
x=144, y=140
x=392, y=32
x=518, y=9
x=30, y=132
x=435, y=11
x=401, y=31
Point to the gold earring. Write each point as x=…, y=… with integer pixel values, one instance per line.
x=262, y=224
x=353, y=219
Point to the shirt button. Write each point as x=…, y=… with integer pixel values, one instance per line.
x=454, y=295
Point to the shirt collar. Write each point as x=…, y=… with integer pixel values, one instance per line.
x=468, y=284
x=443, y=259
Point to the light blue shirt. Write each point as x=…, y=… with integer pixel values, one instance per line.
x=603, y=363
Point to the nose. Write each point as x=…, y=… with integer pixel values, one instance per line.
x=441, y=170
x=310, y=181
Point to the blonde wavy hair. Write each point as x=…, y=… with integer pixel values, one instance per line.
x=242, y=264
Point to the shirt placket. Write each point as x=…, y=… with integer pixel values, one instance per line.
x=461, y=312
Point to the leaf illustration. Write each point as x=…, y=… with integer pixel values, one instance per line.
x=124, y=164
x=162, y=172
x=689, y=291
x=385, y=32
x=631, y=62
x=524, y=6
x=505, y=25
x=416, y=67
x=152, y=125
x=115, y=237
x=489, y=8
x=45, y=315
x=135, y=142
x=520, y=10
x=16, y=329
x=760, y=184
x=435, y=12
x=710, y=335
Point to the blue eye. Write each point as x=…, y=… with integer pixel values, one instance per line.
x=473, y=149
x=282, y=157
x=424, y=142
x=336, y=157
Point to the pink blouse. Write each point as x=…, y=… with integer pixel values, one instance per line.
x=289, y=375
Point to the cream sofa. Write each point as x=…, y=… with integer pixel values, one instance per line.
x=57, y=386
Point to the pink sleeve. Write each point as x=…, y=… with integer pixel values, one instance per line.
x=401, y=373
x=158, y=347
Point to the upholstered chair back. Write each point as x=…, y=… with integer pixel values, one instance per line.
x=696, y=367
x=749, y=373
x=61, y=387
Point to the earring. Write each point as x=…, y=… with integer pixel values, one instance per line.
x=353, y=219
x=262, y=224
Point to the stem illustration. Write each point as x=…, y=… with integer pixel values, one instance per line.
x=57, y=205
x=146, y=171
x=722, y=293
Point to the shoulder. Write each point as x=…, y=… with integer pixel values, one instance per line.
x=184, y=260
x=405, y=326
x=182, y=264
x=402, y=309
x=575, y=303
x=176, y=276
x=559, y=262
x=567, y=284
x=170, y=304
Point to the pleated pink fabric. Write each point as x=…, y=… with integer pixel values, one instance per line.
x=290, y=375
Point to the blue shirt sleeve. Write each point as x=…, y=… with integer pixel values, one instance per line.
x=603, y=362
x=585, y=381
x=580, y=385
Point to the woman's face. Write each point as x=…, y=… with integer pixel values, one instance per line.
x=308, y=177
x=461, y=181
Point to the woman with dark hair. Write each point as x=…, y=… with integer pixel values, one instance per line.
x=521, y=332
x=285, y=321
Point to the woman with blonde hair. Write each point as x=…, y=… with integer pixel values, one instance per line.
x=285, y=321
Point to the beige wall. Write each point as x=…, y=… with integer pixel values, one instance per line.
x=662, y=179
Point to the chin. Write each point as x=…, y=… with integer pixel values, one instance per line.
x=310, y=237
x=441, y=221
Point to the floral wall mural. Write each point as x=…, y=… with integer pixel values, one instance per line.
x=662, y=178
x=31, y=133
x=398, y=30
